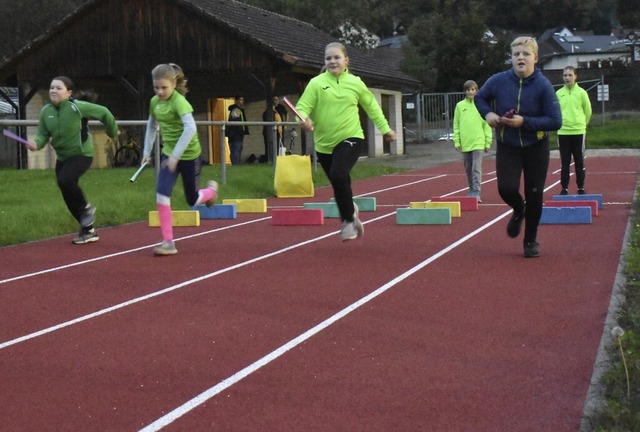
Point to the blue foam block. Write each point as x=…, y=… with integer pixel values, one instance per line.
x=585, y=197
x=566, y=215
x=218, y=211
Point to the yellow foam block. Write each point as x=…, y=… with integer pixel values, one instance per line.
x=454, y=206
x=179, y=217
x=248, y=205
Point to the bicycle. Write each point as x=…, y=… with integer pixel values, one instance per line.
x=127, y=153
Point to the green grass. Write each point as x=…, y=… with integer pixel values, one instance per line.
x=621, y=382
x=31, y=206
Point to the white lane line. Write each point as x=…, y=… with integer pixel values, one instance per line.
x=183, y=409
x=278, y=352
x=171, y=288
x=104, y=257
x=402, y=185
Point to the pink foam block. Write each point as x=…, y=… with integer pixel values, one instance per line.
x=575, y=203
x=297, y=217
x=467, y=203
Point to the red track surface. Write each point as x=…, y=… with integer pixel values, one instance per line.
x=259, y=327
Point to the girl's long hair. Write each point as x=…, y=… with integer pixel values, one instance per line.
x=173, y=73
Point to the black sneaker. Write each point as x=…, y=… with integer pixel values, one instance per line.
x=581, y=191
x=564, y=192
x=515, y=223
x=531, y=250
x=88, y=216
x=86, y=236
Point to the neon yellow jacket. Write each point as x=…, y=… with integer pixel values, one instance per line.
x=576, y=110
x=332, y=103
x=470, y=131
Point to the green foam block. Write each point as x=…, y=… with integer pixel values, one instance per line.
x=423, y=216
x=365, y=204
x=330, y=209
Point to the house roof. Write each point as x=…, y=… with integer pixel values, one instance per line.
x=561, y=41
x=296, y=42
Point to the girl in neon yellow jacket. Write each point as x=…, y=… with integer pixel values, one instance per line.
x=329, y=106
x=576, y=114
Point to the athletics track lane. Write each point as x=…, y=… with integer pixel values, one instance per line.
x=477, y=339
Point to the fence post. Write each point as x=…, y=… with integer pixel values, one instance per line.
x=223, y=156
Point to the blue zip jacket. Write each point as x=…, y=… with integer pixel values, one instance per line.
x=532, y=97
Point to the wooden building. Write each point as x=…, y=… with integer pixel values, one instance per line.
x=225, y=47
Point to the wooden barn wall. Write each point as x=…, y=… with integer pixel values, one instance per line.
x=113, y=46
x=124, y=37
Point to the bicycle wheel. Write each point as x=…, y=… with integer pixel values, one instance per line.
x=127, y=157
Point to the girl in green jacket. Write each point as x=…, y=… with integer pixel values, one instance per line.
x=329, y=106
x=63, y=125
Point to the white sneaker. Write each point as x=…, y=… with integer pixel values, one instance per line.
x=212, y=184
x=86, y=236
x=348, y=231
x=88, y=216
x=165, y=248
x=356, y=220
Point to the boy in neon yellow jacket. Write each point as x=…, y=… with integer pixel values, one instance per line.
x=329, y=106
x=472, y=136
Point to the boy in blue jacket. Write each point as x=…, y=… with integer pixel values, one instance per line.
x=527, y=109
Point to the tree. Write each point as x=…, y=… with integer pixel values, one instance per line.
x=453, y=45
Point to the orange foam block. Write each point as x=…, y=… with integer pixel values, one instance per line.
x=593, y=204
x=467, y=203
x=297, y=217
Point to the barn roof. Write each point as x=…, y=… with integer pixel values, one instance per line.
x=293, y=41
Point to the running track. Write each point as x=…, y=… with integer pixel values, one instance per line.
x=253, y=327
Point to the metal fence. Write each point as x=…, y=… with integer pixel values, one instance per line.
x=429, y=116
x=15, y=152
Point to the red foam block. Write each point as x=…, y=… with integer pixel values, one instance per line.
x=576, y=203
x=467, y=203
x=297, y=217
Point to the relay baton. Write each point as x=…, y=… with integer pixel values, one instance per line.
x=293, y=109
x=137, y=173
x=15, y=137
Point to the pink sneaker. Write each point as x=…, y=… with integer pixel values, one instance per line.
x=212, y=184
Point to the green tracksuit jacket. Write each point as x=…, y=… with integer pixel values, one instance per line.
x=62, y=124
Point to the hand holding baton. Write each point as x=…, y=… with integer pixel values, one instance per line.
x=134, y=177
x=15, y=137
x=295, y=111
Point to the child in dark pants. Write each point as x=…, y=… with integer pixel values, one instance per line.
x=329, y=106
x=527, y=109
x=63, y=124
x=173, y=114
x=576, y=114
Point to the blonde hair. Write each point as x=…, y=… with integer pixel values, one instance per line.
x=173, y=73
x=526, y=41
x=342, y=48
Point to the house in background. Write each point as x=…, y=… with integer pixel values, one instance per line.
x=560, y=47
x=225, y=47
